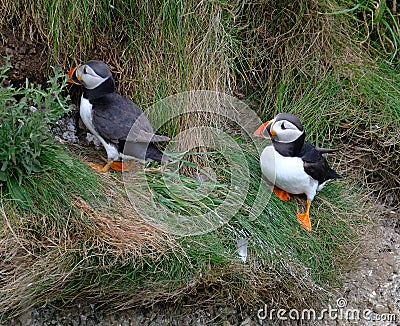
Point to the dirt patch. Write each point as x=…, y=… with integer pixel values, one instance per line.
x=372, y=286
x=27, y=57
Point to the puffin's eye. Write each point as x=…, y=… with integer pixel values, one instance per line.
x=283, y=126
x=84, y=70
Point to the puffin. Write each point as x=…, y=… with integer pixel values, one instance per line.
x=118, y=123
x=291, y=164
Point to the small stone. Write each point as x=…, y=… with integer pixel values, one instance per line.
x=380, y=309
x=70, y=136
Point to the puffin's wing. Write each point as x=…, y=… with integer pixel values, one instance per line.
x=314, y=163
x=114, y=116
x=141, y=136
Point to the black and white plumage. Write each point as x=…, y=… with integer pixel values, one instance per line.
x=291, y=164
x=117, y=122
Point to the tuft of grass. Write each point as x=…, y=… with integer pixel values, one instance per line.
x=285, y=263
x=375, y=25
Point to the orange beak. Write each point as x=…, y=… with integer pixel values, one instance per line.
x=260, y=131
x=73, y=77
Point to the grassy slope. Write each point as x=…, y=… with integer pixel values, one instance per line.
x=106, y=253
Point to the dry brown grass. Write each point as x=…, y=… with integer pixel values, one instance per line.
x=375, y=158
x=36, y=266
x=296, y=40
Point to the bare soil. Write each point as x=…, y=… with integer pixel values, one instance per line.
x=28, y=59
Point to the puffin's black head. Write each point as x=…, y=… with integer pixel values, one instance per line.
x=284, y=128
x=291, y=118
x=91, y=74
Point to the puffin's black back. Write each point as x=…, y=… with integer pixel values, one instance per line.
x=114, y=116
x=316, y=165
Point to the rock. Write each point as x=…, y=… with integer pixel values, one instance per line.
x=380, y=309
x=70, y=136
x=92, y=139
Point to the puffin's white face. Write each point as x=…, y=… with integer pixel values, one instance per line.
x=284, y=128
x=88, y=77
x=283, y=131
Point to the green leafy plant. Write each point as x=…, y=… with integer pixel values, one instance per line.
x=25, y=116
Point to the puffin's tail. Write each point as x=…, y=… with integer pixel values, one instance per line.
x=156, y=155
x=325, y=150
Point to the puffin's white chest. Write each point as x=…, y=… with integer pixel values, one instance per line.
x=287, y=173
x=86, y=113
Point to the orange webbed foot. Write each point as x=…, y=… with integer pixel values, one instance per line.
x=281, y=194
x=304, y=218
x=100, y=167
x=95, y=166
x=121, y=166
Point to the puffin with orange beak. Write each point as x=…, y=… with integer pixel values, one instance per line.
x=291, y=164
x=118, y=123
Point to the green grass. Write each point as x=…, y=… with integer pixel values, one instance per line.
x=375, y=24
x=332, y=107
x=78, y=236
x=160, y=48
x=282, y=258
